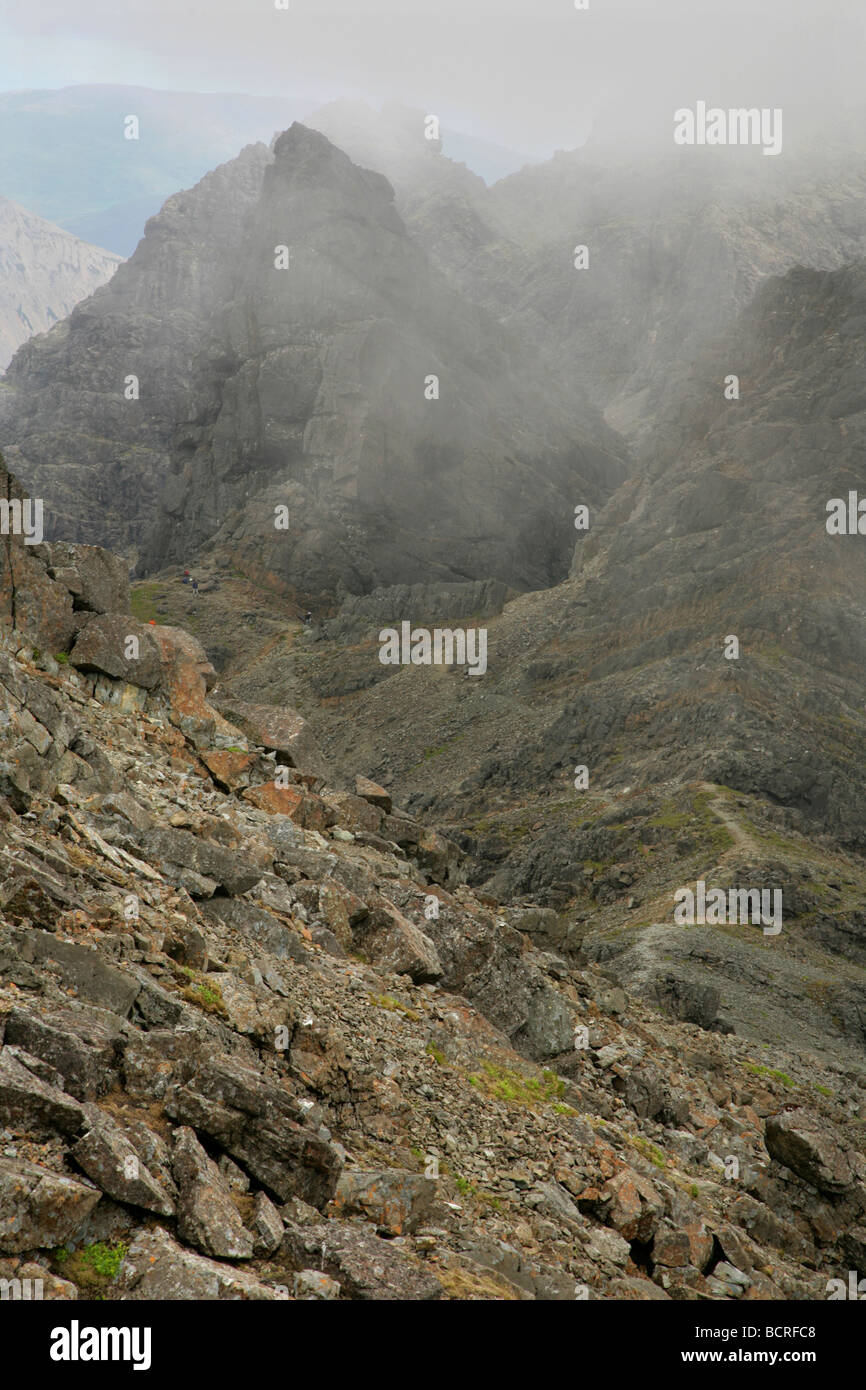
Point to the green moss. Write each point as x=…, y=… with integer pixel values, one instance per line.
x=512, y=1086
x=649, y=1151
x=436, y=1053
x=94, y=1267
x=387, y=1001
x=207, y=997
x=781, y=1076
x=62, y=658
x=470, y=1192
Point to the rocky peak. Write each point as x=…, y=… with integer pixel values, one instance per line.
x=310, y=385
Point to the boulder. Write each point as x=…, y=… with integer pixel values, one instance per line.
x=27, y=1100
x=110, y=1158
x=230, y=771
x=802, y=1142
x=262, y=929
x=82, y=968
x=304, y=808
x=397, y=1202
x=372, y=792
x=392, y=941
x=156, y=1268
x=634, y=1207
x=365, y=1266
x=103, y=645
x=260, y=1125
x=689, y=1001
x=97, y=579
x=266, y=1226
x=40, y=1209
x=354, y=812
x=276, y=727
x=81, y=1043
x=176, y=853
x=206, y=1214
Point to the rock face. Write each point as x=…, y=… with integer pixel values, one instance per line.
x=675, y=251
x=99, y=459
x=44, y=273
x=309, y=388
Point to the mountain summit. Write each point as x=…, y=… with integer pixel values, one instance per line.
x=298, y=358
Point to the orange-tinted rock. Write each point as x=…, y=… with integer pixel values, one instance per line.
x=691, y=1245
x=229, y=770
x=279, y=728
x=304, y=808
x=186, y=674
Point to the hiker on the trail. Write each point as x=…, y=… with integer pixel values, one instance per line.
x=185, y=577
x=195, y=588
x=308, y=618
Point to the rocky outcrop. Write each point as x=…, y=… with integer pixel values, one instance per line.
x=346, y=422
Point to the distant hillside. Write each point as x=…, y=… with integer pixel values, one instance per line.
x=44, y=273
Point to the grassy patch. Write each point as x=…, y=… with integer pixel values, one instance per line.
x=207, y=997
x=468, y=1285
x=93, y=1268
x=781, y=1076
x=648, y=1150
x=142, y=601
x=513, y=1087
x=387, y=1001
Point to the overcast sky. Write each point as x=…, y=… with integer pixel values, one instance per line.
x=531, y=74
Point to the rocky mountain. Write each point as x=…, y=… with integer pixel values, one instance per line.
x=704, y=757
x=259, y=1039
x=675, y=247
x=64, y=152
x=407, y=437
x=44, y=273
